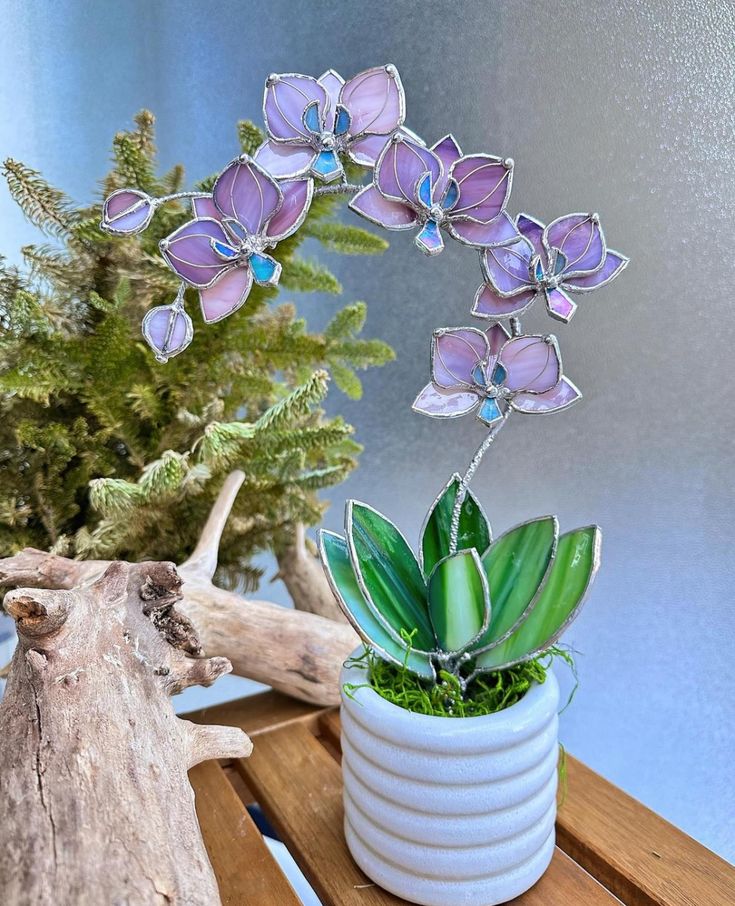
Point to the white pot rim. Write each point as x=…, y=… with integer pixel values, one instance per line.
x=459, y=735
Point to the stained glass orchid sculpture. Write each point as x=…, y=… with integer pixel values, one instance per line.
x=311, y=122
x=466, y=604
x=438, y=187
x=569, y=255
x=492, y=374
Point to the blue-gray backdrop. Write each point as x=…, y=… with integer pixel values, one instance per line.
x=625, y=108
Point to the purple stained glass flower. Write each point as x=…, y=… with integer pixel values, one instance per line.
x=310, y=122
x=126, y=212
x=569, y=255
x=168, y=330
x=438, y=187
x=222, y=251
x=493, y=373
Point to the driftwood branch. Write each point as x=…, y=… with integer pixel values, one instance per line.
x=96, y=804
x=299, y=652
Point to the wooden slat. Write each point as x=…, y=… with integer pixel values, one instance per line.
x=234, y=778
x=634, y=852
x=298, y=785
x=566, y=884
x=330, y=729
x=258, y=713
x=246, y=872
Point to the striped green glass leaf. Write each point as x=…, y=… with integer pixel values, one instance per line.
x=341, y=577
x=574, y=568
x=474, y=530
x=516, y=565
x=459, y=604
x=388, y=573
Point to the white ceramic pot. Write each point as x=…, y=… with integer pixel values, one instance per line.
x=447, y=811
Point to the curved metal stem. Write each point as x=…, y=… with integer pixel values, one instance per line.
x=341, y=188
x=464, y=482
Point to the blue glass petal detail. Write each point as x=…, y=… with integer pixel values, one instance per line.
x=560, y=263
x=489, y=412
x=326, y=165
x=538, y=269
x=265, y=270
x=235, y=229
x=451, y=195
x=311, y=119
x=224, y=251
x=342, y=121
x=478, y=375
x=423, y=189
x=429, y=240
x=499, y=374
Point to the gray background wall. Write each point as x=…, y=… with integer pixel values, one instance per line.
x=622, y=108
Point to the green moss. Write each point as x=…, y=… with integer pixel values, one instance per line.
x=487, y=694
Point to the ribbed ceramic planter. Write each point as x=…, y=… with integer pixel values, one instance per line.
x=450, y=811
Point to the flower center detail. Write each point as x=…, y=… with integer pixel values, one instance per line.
x=436, y=213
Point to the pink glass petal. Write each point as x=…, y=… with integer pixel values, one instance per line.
x=297, y=195
x=205, y=207
x=444, y=403
x=286, y=97
x=399, y=167
x=332, y=83
x=559, y=305
x=488, y=304
x=559, y=397
x=614, y=264
x=389, y=214
x=532, y=363
x=448, y=151
x=167, y=330
x=188, y=251
x=533, y=230
x=126, y=211
x=454, y=355
x=506, y=267
x=484, y=185
x=227, y=294
x=580, y=239
x=366, y=151
x=499, y=231
x=285, y=161
x=247, y=193
x=497, y=336
x=375, y=101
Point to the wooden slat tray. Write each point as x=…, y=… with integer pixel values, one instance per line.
x=610, y=848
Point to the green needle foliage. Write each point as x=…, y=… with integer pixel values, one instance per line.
x=106, y=453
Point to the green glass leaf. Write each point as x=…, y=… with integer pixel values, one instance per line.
x=388, y=573
x=459, y=603
x=575, y=566
x=474, y=530
x=335, y=558
x=516, y=565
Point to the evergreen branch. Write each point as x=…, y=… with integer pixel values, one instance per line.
x=309, y=277
x=347, y=322
x=114, y=496
x=297, y=404
x=249, y=136
x=347, y=381
x=44, y=206
x=348, y=240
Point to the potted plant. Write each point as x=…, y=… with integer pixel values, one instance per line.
x=450, y=711
x=449, y=721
